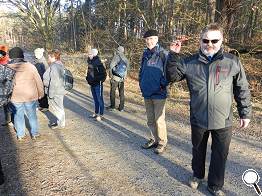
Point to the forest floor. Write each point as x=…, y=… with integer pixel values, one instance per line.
x=105, y=158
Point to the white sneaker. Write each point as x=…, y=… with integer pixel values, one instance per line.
x=93, y=115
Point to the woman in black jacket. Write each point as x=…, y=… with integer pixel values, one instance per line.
x=96, y=75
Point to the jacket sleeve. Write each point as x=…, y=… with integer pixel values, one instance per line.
x=242, y=93
x=175, y=67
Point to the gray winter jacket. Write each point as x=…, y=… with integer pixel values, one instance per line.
x=212, y=85
x=54, y=80
x=117, y=57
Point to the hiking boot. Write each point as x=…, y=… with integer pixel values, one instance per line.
x=120, y=110
x=215, y=191
x=34, y=137
x=159, y=149
x=110, y=108
x=194, y=182
x=149, y=144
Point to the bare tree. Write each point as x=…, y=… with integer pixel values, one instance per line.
x=39, y=15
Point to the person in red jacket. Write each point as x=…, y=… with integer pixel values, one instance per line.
x=4, y=59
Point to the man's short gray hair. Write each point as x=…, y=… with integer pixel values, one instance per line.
x=212, y=27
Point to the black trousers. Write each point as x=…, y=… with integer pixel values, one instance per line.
x=43, y=102
x=220, y=146
x=2, y=179
x=114, y=85
x=7, y=113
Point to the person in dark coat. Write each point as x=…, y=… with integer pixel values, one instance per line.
x=96, y=75
x=214, y=78
x=41, y=68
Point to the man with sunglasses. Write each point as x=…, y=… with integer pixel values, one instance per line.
x=213, y=77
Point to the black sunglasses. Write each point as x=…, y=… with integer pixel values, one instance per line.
x=213, y=41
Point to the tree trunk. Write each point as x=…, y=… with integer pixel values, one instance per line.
x=219, y=8
x=211, y=10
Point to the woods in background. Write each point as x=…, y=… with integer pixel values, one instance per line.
x=76, y=25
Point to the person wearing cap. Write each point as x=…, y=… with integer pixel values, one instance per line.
x=153, y=85
x=96, y=75
x=54, y=88
x=41, y=67
x=117, y=81
x=28, y=88
x=4, y=59
x=214, y=78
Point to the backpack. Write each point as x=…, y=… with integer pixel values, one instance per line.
x=68, y=80
x=120, y=69
x=6, y=84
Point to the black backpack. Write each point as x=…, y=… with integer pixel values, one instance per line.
x=6, y=84
x=68, y=80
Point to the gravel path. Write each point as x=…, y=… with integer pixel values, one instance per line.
x=105, y=158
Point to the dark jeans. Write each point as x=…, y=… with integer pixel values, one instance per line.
x=120, y=86
x=220, y=146
x=43, y=102
x=97, y=92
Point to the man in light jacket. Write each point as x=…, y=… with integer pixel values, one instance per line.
x=28, y=88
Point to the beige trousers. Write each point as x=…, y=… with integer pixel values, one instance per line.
x=155, y=111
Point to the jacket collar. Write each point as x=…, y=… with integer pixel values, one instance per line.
x=204, y=59
x=18, y=60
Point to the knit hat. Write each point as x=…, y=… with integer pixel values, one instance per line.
x=94, y=51
x=150, y=33
x=121, y=49
x=16, y=53
x=39, y=52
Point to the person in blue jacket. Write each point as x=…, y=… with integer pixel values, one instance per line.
x=153, y=85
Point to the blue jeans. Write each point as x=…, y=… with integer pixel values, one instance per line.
x=19, y=110
x=97, y=92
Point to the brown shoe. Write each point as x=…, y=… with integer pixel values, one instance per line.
x=159, y=149
x=150, y=144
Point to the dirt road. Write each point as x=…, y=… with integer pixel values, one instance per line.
x=105, y=158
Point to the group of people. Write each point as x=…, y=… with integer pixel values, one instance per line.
x=214, y=77
x=34, y=86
